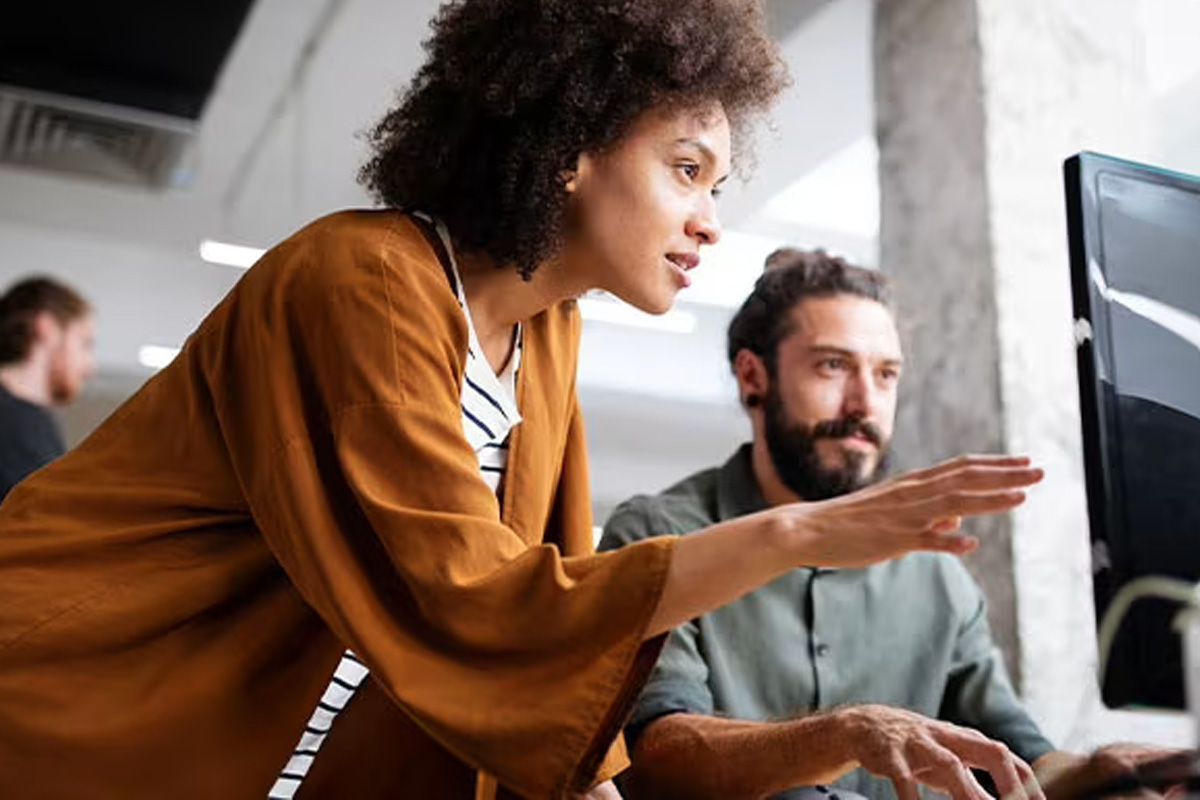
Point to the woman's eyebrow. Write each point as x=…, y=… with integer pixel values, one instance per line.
x=706, y=152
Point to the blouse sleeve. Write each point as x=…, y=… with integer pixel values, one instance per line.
x=336, y=377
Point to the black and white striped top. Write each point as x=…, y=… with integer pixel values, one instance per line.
x=489, y=412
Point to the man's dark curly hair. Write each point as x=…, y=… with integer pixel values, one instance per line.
x=790, y=276
x=514, y=91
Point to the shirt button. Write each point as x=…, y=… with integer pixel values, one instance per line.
x=822, y=650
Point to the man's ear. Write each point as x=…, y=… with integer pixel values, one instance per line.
x=45, y=327
x=752, y=378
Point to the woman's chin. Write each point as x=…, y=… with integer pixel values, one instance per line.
x=655, y=304
x=658, y=302
x=655, y=298
x=660, y=307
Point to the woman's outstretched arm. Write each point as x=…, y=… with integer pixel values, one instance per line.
x=917, y=511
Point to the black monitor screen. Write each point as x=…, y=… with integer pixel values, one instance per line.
x=1135, y=264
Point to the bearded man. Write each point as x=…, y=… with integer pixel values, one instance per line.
x=825, y=682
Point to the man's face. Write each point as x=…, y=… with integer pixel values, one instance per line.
x=829, y=411
x=71, y=358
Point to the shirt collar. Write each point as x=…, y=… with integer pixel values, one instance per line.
x=738, y=493
x=737, y=490
x=500, y=388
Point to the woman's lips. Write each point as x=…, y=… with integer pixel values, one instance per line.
x=681, y=263
x=685, y=261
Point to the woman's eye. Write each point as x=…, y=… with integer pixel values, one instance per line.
x=691, y=170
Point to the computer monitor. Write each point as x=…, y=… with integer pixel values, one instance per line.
x=1135, y=274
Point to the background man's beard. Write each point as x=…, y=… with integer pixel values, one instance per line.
x=62, y=388
x=793, y=451
x=62, y=393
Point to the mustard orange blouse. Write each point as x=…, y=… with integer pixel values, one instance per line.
x=175, y=592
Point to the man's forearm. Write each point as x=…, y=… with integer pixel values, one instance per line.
x=684, y=755
x=693, y=756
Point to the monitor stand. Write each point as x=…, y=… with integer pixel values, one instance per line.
x=1189, y=628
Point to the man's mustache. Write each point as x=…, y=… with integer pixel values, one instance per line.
x=845, y=427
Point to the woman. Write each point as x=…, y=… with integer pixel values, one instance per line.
x=341, y=547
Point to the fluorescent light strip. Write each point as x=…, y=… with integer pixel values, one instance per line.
x=620, y=314
x=229, y=255
x=156, y=357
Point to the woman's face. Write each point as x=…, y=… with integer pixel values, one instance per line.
x=640, y=211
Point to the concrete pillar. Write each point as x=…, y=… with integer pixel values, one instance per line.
x=935, y=244
x=978, y=103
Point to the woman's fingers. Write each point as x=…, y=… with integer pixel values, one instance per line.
x=939, y=519
x=920, y=511
x=946, y=525
x=976, y=478
x=969, y=504
x=966, y=462
x=987, y=478
x=958, y=544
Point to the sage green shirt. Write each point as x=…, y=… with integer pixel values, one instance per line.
x=910, y=633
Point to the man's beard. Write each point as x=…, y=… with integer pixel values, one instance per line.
x=793, y=450
x=63, y=389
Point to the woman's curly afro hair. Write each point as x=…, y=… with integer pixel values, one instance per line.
x=513, y=92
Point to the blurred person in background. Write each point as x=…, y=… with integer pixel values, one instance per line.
x=342, y=546
x=46, y=342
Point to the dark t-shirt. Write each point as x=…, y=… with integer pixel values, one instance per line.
x=29, y=439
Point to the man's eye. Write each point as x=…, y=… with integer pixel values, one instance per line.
x=832, y=363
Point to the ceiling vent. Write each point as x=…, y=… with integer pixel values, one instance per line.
x=113, y=91
x=81, y=137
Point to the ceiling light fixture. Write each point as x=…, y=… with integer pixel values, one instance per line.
x=229, y=255
x=155, y=356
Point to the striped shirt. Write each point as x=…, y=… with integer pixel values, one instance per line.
x=489, y=413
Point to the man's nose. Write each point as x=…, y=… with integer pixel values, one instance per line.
x=861, y=399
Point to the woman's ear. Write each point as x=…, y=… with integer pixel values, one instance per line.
x=572, y=178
